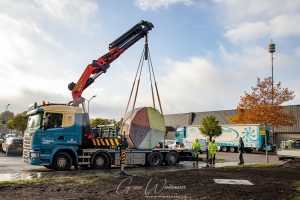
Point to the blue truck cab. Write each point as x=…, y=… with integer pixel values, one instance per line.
x=51, y=129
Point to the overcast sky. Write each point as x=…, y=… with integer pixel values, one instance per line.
x=206, y=54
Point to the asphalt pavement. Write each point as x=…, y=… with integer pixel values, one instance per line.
x=13, y=168
x=249, y=158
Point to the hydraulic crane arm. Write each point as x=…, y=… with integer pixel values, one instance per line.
x=116, y=48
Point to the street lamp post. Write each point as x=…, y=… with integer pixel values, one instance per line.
x=7, y=107
x=89, y=102
x=5, y=114
x=272, y=50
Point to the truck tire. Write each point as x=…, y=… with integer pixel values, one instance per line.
x=62, y=162
x=224, y=149
x=232, y=149
x=154, y=159
x=171, y=158
x=100, y=161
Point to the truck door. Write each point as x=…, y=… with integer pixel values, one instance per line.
x=55, y=132
x=52, y=128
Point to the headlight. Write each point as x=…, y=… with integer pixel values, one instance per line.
x=34, y=155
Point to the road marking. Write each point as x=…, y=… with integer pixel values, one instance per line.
x=233, y=182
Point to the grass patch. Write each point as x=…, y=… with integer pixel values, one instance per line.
x=85, y=179
x=22, y=182
x=37, y=180
x=251, y=166
x=297, y=184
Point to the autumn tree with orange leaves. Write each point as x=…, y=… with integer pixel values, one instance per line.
x=257, y=108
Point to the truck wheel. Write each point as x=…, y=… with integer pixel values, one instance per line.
x=101, y=161
x=171, y=158
x=232, y=149
x=62, y=162
x=224, y=149
x=155, y=159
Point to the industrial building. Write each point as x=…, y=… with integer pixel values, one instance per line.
x=174, y=121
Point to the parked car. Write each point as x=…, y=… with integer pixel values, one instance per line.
x=289, y=149
x=169, y=144
x=2, y=138
x=13, y=145
x=10, y=135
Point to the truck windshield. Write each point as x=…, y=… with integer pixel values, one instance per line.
x=34, y=121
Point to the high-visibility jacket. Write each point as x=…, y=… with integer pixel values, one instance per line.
x=196, y=146
x=212, y=148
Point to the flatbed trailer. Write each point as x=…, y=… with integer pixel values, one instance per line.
x=152, y=157
x=103, y=158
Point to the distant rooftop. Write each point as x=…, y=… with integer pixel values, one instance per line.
x=195, y=118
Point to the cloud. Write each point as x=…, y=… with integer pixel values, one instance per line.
x=254, y=61
x=237, y=11
x=285, y=25
x=32, y=55
x=24, y=53
x=250, y=21
x=160, y=4
x=69, y=13
x=199, y=84
x=247, y=32
x=20, y=102
x=247, y=64
x=280, y=26
x=196, y=84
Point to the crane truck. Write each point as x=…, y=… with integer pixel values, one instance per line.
x=59, y=136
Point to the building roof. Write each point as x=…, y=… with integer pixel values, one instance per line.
x=221, y=116
x=195, y=118
x=295, y=110
x=177, y=120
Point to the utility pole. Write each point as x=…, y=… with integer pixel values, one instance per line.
x=272, y=50
x=266, y=143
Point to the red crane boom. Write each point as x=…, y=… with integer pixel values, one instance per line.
x=97, y=67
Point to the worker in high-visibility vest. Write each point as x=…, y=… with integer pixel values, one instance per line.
x=212, y=150
x=196, y=147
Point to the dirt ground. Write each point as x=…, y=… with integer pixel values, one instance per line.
x=278, y=182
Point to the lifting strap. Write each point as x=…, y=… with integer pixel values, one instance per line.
x=136, y=83
x=156, y=88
